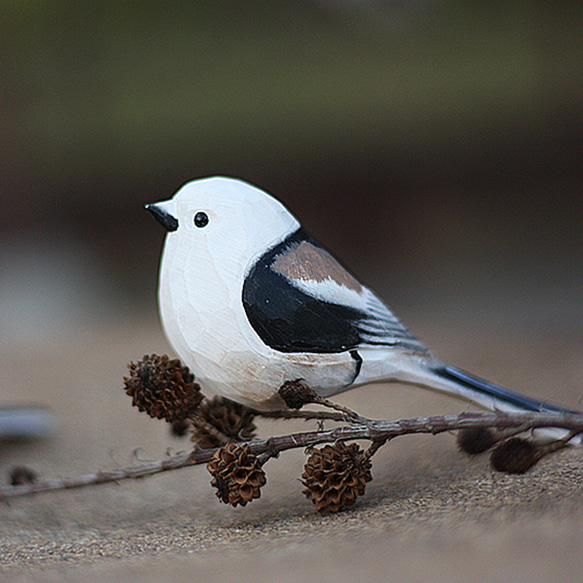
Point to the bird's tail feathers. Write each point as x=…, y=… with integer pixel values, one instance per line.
x=492, y=396
x=445, y=378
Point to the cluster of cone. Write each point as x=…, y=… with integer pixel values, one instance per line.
x=165, y=389
x=508, y=454
x=334, y=476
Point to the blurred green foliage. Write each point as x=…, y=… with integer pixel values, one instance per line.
x=427, y=112
x=123, y=85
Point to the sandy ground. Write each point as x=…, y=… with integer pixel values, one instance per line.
x=429, y=514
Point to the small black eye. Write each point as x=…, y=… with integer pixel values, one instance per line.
x=201, y=220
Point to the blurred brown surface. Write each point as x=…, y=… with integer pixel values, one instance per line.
x=429, y=514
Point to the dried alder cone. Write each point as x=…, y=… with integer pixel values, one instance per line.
x=237, y=474
x=20, y=475
x=516, y=456
x=475, y=441
x=163, y=388
x=231, y=419
x=296, y=394
x=335, y=476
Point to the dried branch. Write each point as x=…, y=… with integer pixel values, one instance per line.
x=378, y=432
x=307, y=415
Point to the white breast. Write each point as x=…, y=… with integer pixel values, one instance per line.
x=203, y=319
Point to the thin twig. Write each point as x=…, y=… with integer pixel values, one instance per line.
x=297, y=393
x=373, y=448
x=349, y=415
x=376, y=431
x=307, y=415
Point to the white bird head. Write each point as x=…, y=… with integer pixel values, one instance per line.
x=226, y=218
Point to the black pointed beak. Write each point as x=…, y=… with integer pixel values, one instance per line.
x=163, y=216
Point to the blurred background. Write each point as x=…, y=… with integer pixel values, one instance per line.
x=436, y=146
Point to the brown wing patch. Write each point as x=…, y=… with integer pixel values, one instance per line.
x=308, y=262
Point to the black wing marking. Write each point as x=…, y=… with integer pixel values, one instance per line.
x=288, y=319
